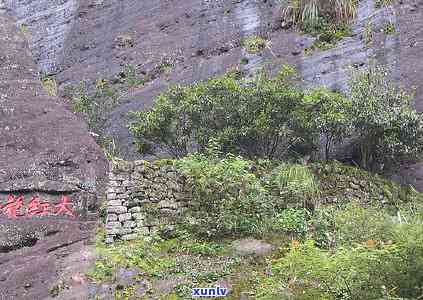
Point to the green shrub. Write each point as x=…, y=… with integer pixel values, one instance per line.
x=148, y=255
x=311, y=273
x=387, y=127
x=368, y=33
x=322, y=227
x=130, y=77
x=228, y=198
x=310, y=14
x=389, y=28
x=233, y=196
x=329, y=35
x=50, y=86
x=330, y=116
x=95, y=107
x=383, y=271
x=271, y=118
x=407, y=266
x=255, y=44
x=255, y=118
x=356, y=224
x=382, y=3
x=293, y=222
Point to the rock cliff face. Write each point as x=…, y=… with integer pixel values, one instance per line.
x=195, y=39
x=46, y=24
x=44, y=148
x=45, y=152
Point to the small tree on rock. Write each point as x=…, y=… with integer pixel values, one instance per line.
x=388, y=129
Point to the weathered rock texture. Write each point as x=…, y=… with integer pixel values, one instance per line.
x=143, y=198
x=46, y=25
x=185, y=41
x=45, y=151
x=44, y=148
x=153, y=197
x=35, y=257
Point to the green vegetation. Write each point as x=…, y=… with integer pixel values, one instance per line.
x=25, y=31
x=229, y=199
x=389, y=28
x=164, y=67
x=368, y=33
x=259, y=118
x=50, y=86
x=255, y=44
x=382, y=115
x=328, y=21
x=295, y=183
x=271, y=118
x=187, y=261
x=293, y=222
x=96, y=102
x=329, y=35
x=129, y=76
x=244, y=61
x=312, y=14
x=248, y=151
x=367, y=244
x=95, y=107
x=382, y=3
x=236, y=197
x=109, y=148
x=330, y=117
x=376, y=257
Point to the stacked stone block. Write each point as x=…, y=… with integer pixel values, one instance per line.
x=144, y=197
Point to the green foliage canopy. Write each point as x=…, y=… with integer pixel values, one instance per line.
x=386, y=125
x=256, y=118
x=271, y=118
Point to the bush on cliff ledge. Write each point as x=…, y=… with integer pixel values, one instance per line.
x=255, y=118
x=271, y=118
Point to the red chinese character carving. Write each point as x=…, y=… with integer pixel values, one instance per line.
x=45, y=209
x=37, y=208
x=64, y=207
x=13, y=207
x=34, y=207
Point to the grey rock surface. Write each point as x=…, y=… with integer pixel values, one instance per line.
x=198, y=39
x=43, y=146
x=45, y=151
x=253, y=247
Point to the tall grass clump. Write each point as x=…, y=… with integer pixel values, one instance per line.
x=312, y=14
x=297, y=183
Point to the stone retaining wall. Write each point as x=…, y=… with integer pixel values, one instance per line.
x=142, y=198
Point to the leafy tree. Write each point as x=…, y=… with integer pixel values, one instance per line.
x=271, y=118
x=255, y=118
x=387, y=126
x=329, y=114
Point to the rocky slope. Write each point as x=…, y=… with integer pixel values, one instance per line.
x=45, y=151
x=200, y=38
x=43, y=146
x=181, y=42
